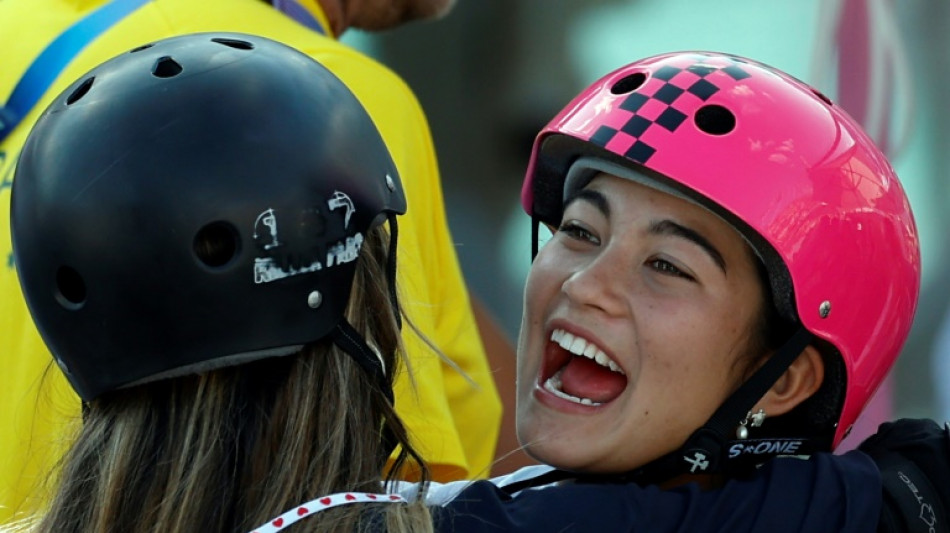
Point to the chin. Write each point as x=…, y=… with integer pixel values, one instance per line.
x=571, y=460
x=558, y=458
x=571, y=449
x=554, y=447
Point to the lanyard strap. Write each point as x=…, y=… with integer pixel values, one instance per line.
x=296, y=11
x=54, y=58
x=322, y=504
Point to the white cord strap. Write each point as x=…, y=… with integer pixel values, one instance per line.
x=322, y=504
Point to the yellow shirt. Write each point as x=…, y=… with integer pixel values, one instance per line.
x=454, y=422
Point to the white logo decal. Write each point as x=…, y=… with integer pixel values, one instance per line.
x=340, y=199
x=698, y=461
x=267, y=269
x=765, y=447
x=927, y=514
x=341, y=253
x=268, y=220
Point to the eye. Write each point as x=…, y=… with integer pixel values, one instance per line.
x=665, y=267
x=576, y=231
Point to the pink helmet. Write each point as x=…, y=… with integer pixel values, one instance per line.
x=790, y=170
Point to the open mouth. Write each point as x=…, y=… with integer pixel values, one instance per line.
x=576, y=370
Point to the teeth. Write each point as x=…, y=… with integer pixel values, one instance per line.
x=590, y=352
x=577, y=346
x=553, y=385
x=564, y=338
x=580, y=346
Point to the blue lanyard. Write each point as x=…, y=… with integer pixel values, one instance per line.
x=51, y=62
x=294, y=10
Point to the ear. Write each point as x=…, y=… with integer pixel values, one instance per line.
x=797, y=384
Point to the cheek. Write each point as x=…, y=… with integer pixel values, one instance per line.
x=689, y=357
x=529, y=313
x=721, y=365
x=543, y=282
x=524, y=361
x=529, y=338
x=742, y=329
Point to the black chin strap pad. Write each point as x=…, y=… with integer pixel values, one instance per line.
x=391, y=267
x=350, y=341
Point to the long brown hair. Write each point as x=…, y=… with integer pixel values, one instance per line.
x=229, y=449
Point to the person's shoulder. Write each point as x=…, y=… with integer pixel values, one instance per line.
x=21, y=8
x=386, y=96
x=26, y=28
x=353, y=65
x=913, y=456
x=440, y=494
x=824, y=492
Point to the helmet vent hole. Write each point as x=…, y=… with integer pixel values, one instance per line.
x=822, y=97
x=70, y=288
x=715, y=120
x=140, y=48
x=628, y=84
x=80, y=91
x=166, y=67
x=217, y=244
x=234, y=43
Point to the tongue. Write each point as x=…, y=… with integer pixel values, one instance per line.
x=584, y=378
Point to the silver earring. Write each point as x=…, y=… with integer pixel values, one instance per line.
x=751, y=419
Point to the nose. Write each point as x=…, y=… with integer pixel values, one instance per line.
x=599, y=285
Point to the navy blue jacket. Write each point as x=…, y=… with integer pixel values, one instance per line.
x=837, y=495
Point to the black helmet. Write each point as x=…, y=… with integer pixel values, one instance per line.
x=231, y=139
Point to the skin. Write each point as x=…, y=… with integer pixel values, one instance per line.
x=376, y=15
x=668, y=291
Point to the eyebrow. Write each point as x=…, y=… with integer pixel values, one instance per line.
x=594, y=197
x=668, y=227
x=659, y=227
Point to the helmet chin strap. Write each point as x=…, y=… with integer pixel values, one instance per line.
x=391, y=267
x=349, y=340
x=352, y=342
x=345, y=336
x=706, y=450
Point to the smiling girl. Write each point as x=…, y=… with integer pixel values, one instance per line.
x=641, y=303
x=734, y=269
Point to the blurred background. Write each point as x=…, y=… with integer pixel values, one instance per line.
x=493, y=72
